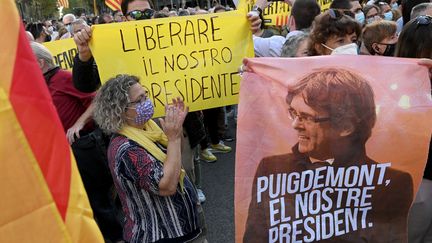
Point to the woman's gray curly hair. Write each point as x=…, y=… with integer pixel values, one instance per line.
x=111, y=102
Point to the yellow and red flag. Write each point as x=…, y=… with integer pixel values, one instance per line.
x=43, y=197
x=114, y=5
x=63, y=3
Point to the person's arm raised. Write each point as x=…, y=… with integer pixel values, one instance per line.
x=85, y=73
x=172, y=125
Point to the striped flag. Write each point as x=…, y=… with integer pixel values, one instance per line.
x=114, y=4
x=43, y=197
x=63, y=3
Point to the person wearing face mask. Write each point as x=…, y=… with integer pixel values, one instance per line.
x=372, y=13
x=88, y=145
x=159, y=200
x=50, y=30
x=356, y=8
x=385, y=10
x=67, y=22
x=379, y=38
x=333, y=32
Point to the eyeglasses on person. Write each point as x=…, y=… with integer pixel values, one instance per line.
x=306, y=118
x=141, y=14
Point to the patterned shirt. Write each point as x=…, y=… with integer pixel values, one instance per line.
x=149, y=217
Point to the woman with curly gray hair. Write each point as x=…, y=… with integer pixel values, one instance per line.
x=159, y=201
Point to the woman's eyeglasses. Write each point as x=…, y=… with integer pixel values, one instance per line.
x=141, y=14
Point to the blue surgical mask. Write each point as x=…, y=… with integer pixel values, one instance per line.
x=388, y=15
x=360, y=17
x=395, y=5
x=69, y=28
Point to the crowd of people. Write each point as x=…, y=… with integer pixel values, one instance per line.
x=151, y=169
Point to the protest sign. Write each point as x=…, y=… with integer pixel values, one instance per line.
x=277, y=13
x=333, y=152
x=193, y=57
x=63, y=52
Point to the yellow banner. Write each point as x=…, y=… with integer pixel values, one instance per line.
x=277, y=13
x=194, y=57
x=63, y=52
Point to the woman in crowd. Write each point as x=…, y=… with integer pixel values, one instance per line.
x=159, y=201
x=372, y=13
x=296, y=45
x=333, y=32
x=415, y=41
x=379, y=38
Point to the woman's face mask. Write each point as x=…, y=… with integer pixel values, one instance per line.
x=389, y=50
x=388, y=15
x=350, y=49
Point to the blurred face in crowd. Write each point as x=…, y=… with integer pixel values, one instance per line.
x=141, y=5
x=356, y=7
x=108, y=19
x=137, y=96
x=314, y=136
x=119, y=17
x=372, y=15
x=302, y=50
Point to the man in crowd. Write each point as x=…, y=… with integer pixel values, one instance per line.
x=67, y=22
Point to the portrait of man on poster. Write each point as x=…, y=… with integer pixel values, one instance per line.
x=332, y=111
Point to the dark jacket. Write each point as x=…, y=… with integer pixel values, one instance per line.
x=85, y=75
x=386, y=221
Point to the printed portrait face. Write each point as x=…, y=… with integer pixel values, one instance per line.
x=315, y=135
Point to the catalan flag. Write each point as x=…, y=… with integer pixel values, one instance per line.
x=43, y=198
x=63, y=3
x=114, y=4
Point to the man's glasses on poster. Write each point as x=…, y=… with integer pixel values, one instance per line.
x=305, y=118
x=141, y=14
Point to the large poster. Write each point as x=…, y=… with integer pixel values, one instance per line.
x=330, y=149
x=194, y=57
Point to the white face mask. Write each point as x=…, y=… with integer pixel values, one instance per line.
x=50, y=30
x=350, y=49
